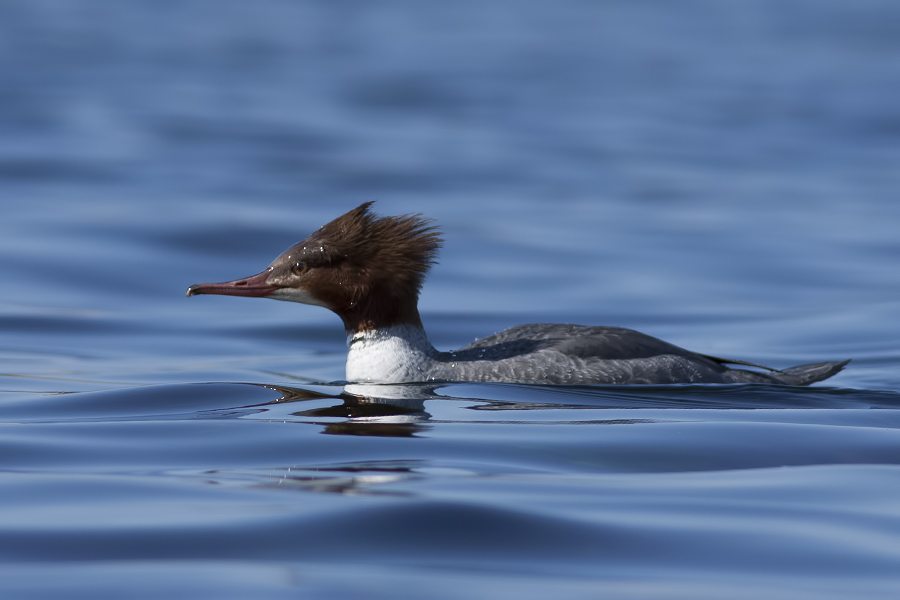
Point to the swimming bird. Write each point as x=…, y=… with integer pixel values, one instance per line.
x=369, y=269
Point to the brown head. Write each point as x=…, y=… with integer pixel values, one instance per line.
x=365, y=268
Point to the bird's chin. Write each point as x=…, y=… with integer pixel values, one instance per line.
x=291, y=294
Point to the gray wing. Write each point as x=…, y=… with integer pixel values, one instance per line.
x=552, y=353
x=575, y=354
x=580, y=341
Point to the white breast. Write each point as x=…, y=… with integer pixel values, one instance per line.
x=396, y=354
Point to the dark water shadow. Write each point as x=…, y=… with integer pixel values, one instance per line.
x=719, y=397
x=378, y=403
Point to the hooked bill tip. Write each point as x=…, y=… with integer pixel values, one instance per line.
x=194, y=290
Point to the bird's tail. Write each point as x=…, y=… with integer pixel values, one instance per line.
x=811, y=373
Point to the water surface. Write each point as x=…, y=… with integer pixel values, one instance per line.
x=722, y=177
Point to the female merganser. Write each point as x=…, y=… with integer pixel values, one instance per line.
x=369, y=270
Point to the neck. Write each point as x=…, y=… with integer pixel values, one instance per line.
x=394, y=354
x=378, y=310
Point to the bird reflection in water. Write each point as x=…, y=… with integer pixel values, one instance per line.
x=369, y=410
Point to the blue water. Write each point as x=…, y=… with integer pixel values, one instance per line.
x=721, y=175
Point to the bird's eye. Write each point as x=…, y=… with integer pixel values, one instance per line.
x=299, y=268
